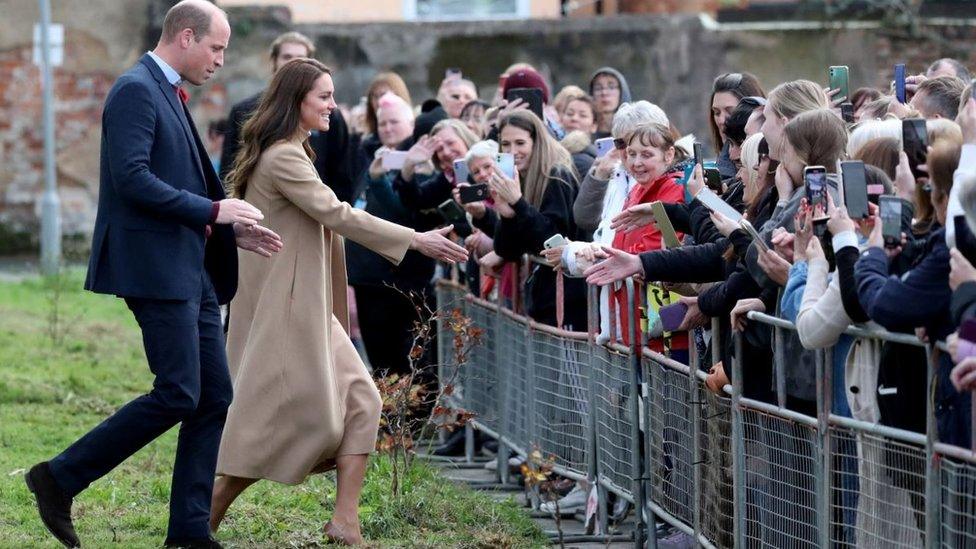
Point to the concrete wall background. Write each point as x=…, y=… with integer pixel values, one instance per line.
x=670, y=60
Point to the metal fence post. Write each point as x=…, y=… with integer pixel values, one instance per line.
x=779, y=367
x=505, y=378
x=933, y=477
x=739, y=449
x=822, y=473
x=593, y=329
x=696, y=454
x=633, y=328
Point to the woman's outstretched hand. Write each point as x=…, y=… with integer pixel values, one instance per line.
x=435, y=244
x=616, y=265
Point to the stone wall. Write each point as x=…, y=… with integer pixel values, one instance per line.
x=670, y=60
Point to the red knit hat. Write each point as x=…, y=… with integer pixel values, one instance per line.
x=526, y=78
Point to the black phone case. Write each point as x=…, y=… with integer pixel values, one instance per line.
x=531, y=96
x=474, y=193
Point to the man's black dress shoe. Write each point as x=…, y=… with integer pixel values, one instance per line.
x=53, y=504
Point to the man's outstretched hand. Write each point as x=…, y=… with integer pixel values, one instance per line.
x=255, y=238
x=235, y=210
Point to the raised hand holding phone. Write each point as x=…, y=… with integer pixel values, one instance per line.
x=839, y=86
x=724, y=225
x=697, y=180
x=804, y=231
x=839, y=221
x=504, y=190
x=603, y=166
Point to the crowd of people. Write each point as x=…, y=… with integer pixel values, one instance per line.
x=601, y=184
x=590, y=161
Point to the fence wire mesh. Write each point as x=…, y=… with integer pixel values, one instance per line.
x=561, y=398
x=958, y=502
x=614, y=419
x=479, y=377
x=877, y=490
x=716, y=467
x=780, y=464
x=535, y=387
x=513, y=375
x=449, y=299
x=670, y=431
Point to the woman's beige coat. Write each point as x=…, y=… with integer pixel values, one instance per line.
x=292, y=378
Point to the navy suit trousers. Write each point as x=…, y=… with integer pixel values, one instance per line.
x=184, y=344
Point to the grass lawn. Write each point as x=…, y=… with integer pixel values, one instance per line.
x=51, y=393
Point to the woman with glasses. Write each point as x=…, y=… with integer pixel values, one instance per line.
x=474, y=116
x=609, y=90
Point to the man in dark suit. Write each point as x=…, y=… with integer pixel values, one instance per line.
x=332, y=148
x=165, y=240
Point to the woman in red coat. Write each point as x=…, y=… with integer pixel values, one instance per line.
x=649, y=158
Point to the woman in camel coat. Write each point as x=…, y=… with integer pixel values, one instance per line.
x=303, y=400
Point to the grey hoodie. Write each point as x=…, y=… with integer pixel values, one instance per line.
x=624, y=87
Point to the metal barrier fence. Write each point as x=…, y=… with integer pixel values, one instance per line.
x=725, y=469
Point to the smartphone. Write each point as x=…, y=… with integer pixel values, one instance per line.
x=915, y=141
x=900, y=83
x=855, y=188
x=847, y=112
x=698, y=154
x=713, y=180
x=603, y=146
x=890, y=207
x=461, y=172
x=454, y=214
x=715, y=203
x=839, y=80
x=506, y=163
x=473, y=193
x=532, y=97
x=555, y=241
x=663, y=222
x=763, y=148
x=747, y=227
x=672, y=316
x=815, y=181
x=452, y=73
x=394, y=160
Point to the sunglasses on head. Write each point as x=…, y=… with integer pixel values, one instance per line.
x=729, y=80
x=620, y=144
x=753, y=101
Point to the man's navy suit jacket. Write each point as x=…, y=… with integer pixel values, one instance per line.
x=156, y=194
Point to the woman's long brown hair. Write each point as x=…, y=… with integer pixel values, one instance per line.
x=547, y=154
x=276, y=118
